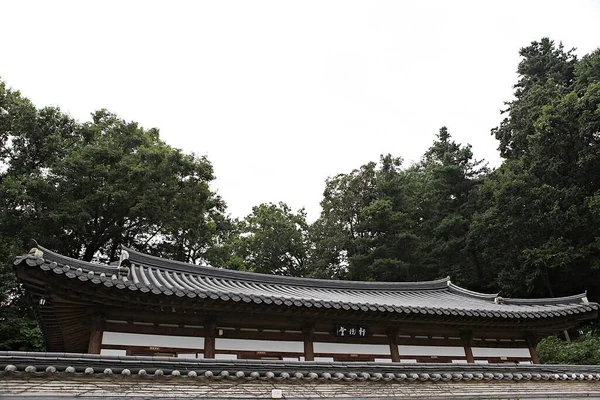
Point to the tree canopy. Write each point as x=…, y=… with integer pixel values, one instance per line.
x=272, y=240
x=541, y=201
x=583, y=350
x=84, y=189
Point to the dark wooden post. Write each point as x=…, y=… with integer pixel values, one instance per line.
x=467, y=338
x=210, y=328
x=392, y=334
x=309, y=352
x=531, y=343
x=97, y=329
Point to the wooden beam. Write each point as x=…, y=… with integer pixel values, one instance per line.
x=95, y=342
x=209, y=338
x=532, y=342
x=309, y=352
x=392, y=334
x=151, y=329
x=467, y=338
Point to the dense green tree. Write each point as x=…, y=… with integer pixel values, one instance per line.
x=18, y=328
x=31, y=140
x=111, y=183
x=546, y=72
x=84, y=189
x=335, y=231
x=385, y=246
x=585, y=350
x=536, y=221
x=385, y=222
x=446, y=178
x=365, y=229
x=510, y=219
x=273, y=240
x=28, y=138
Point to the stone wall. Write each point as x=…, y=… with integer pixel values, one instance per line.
x=136, y=387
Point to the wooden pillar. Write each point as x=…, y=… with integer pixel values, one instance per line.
x=97, y=329
x=309, y=352
x=392, y=334
x=531, y=343
x=210, y=328
x=467, y=338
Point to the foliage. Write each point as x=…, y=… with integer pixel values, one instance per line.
x=272, y=240
x=585, y=350
x=385, y=222
x=528, y=228
x=536, y=219
x=546, y=72
x=384, y=246
x=18, y=327
x=85, y=189
x=336, y=230
x=448, y=176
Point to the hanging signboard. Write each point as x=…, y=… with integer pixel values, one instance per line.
x=351, y=330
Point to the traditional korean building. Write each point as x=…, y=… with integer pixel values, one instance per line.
x=149, y=306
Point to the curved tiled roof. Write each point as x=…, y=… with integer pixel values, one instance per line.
x=73, y=364
x=151, y=274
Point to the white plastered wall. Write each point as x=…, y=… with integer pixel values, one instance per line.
x=351, y=348
x=112, y=352
x=258, y=345
x=451, y=351
x=141, y=339
x=500, y=352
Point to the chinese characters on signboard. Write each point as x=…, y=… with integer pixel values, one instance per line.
x=351, y=330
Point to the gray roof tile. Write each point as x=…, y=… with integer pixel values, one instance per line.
x=439, y=297
x=81, y=365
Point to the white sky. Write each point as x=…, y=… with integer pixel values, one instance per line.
x=279, y=94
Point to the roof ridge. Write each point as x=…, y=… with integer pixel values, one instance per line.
x=582, y=299
x=576, y=298
x=179, y=266
x=210, y=271
x=66, y=260
x=470, y=293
